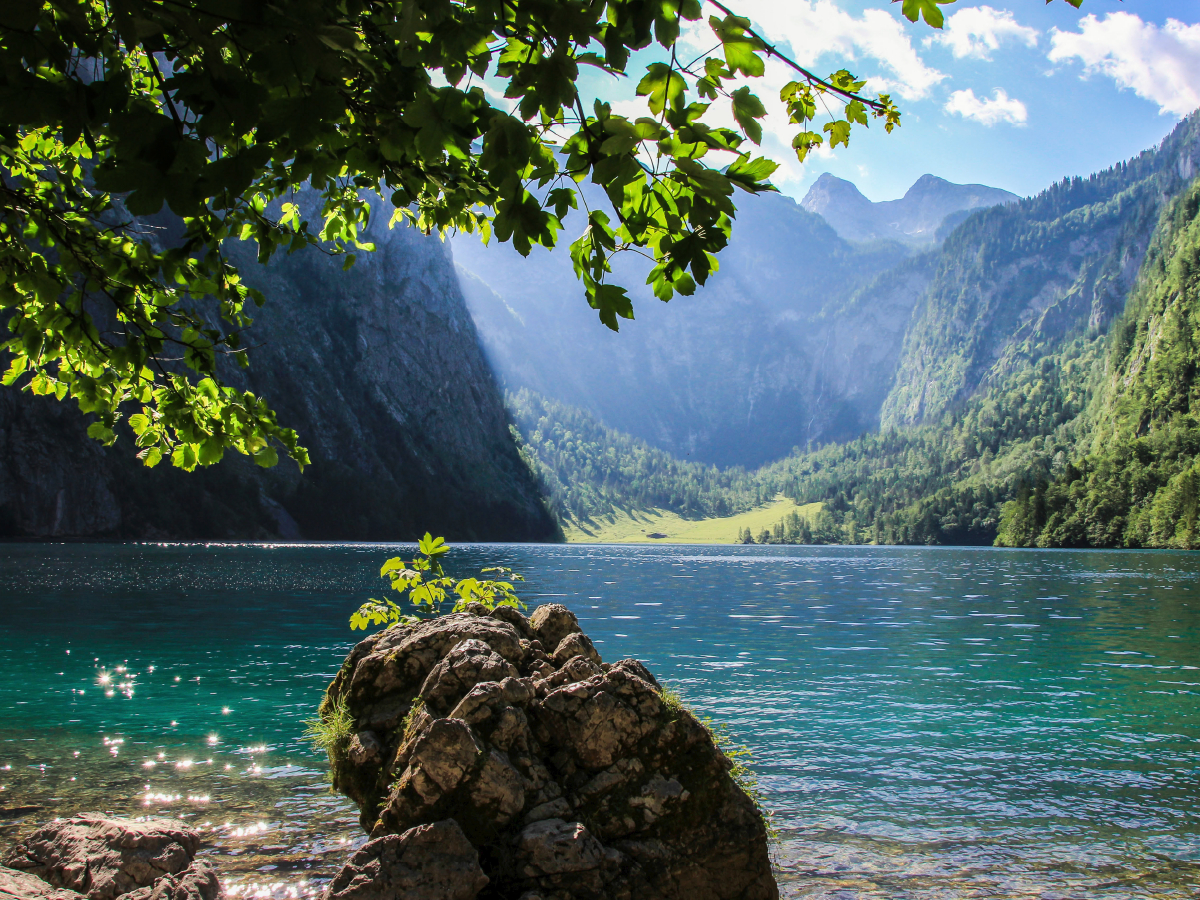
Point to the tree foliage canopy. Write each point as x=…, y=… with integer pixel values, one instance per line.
x=210, y=115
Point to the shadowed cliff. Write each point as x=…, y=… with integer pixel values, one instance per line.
x=378, y=369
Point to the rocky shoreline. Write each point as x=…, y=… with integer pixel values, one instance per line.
x=491, y=755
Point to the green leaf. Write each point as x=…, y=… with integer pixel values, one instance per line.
x=432, y=546
x=611, y=301
x=101, y=432
x=929, y=10
x=839, y=133
x=803, y=142
x=663, y=85
x=741, y=47
x=746, y=108
x=752, y=174
x=15, y=370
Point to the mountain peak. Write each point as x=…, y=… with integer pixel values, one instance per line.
x=830, y=191
x=927, y=183
x=913, y=219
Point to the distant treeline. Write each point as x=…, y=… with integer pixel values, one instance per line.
x=588, y=469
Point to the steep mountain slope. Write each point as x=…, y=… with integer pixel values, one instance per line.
x=380, y=372
x=1138, y=484
x=914, y=219
x=1013, y=282
x=738, y=374
x=589, y=470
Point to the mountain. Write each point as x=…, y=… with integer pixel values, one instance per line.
x=751, y=366
x=1014, y=281
x=793, y=342
x=1046, y=390
x=915, y=219
x=378, y=369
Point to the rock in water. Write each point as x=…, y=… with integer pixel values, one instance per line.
x=572, y=779
x=197, y=882
x=105, y=858
x=429, y=862
x=16, y=885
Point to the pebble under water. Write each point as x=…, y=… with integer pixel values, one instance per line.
x=925, y=722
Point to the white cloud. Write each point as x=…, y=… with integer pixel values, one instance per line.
x=978, y=30
x=1000, y=108
x=1160, y=64
x=816, y=29
x=821, y=37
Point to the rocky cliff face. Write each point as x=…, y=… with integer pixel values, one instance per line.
x=914, y=219
x=751, y=366
x=380, y=372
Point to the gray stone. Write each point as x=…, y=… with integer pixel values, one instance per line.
x=429, y=862
x=497, y=790
x=17, y=885
x=442, y=757
x=577, y=644
x=469, y=663
x=519, y=753
x=365, y=749
x=553, y=622
x=515, y=618
x=197, y=882
x=106, y=857
x=551, y=809
x=555, y=847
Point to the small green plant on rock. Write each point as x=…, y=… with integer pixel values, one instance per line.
x=332, y=730
x=429, y=588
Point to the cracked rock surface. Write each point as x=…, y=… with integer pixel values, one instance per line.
x=547, y=773
x=102, y=858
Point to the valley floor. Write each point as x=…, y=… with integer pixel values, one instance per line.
x=665, y=527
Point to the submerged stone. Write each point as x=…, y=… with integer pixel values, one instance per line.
x=17, y=885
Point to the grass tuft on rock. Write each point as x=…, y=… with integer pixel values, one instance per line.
x=331, y=731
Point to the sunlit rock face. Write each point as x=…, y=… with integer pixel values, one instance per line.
x=103, y=858
x=378, y=369
x=571, y=778
x=741, y=372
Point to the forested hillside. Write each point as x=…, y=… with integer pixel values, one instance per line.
x=1139, y=481
x=1047, y=390
x=588, y=469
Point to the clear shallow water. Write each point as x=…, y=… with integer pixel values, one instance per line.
x=926, y=723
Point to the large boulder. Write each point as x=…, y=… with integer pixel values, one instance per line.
x=105, y=858
x=571, y=778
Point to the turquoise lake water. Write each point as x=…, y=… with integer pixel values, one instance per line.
x=925, y=723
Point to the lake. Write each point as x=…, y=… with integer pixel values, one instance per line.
x=925, y=722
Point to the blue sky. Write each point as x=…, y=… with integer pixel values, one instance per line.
x=1015, y=95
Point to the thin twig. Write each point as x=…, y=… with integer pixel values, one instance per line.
x=774, y=51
